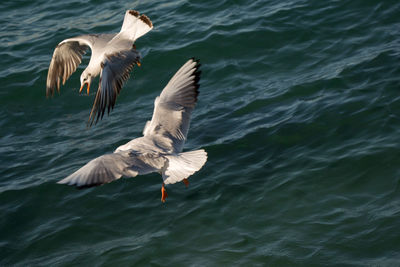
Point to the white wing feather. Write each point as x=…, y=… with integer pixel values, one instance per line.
x=101, y=170
x=110, y=167
x=66, y=58
x=173, y=108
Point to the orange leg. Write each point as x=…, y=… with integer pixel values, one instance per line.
x=186, y=182
x=164, y=194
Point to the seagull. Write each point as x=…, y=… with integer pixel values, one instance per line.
x=113, y=57
x=160, y=147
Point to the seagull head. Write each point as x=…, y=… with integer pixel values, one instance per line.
x=86, y=78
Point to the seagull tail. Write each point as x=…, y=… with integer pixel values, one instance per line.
x=135, y=25
x=182, y=165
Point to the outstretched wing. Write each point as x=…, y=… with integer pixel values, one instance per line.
x=173, y=108
x=110, y=167
x=66, y=58
x=115, y=71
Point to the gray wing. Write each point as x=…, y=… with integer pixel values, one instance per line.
x=115, y=72
x=110, y=167
x=66, y=58
x=174, y=106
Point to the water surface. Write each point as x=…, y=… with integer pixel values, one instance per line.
x=299, y=112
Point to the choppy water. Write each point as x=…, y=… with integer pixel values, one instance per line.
x=299, y=111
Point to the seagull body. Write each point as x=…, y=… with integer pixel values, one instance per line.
x=160, y=147
x=113, y=57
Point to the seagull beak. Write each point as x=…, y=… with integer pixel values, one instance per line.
x=83, y=85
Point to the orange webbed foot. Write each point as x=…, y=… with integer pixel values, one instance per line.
x=186, y=182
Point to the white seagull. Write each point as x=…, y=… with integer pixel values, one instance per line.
x=160, y=147
x=113, y=57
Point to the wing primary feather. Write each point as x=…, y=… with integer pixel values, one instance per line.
x=173, y=108
x=66, y=58
x=114, y=73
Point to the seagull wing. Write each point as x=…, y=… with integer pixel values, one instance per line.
x=66, y=58
x=110, y=167
x=172, y=109
x=115, y=71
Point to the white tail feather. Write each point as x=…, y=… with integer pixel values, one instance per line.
x=135, y=25
x=182, y=165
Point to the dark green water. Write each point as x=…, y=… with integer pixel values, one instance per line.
x=299, y=112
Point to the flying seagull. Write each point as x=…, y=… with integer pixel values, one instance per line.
x=113, y=57
x=160, y=147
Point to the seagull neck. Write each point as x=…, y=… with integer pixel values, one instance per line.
x=93, y=70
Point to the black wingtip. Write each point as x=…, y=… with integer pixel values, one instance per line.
x=134, y=13
x=197, y=75
x=146, y=20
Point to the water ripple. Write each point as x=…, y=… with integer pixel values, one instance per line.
x=298, y=111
